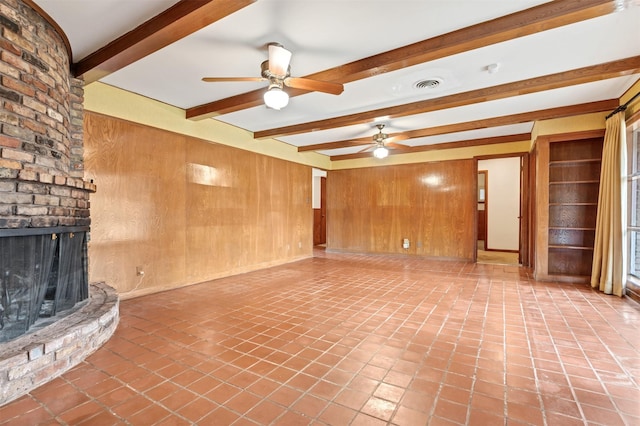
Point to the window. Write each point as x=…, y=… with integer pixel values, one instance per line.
x=633, y=228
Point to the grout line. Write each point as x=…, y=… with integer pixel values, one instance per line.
x=384, y=316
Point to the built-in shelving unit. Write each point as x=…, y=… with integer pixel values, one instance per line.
x=574, y=179
x=571, y=179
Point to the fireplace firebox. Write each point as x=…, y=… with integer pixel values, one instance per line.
x=43, y=277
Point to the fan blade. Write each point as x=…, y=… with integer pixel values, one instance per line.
x=365, y=149
x=217, y=79
x=397, y=145
x=314, y=85
x=279, y=59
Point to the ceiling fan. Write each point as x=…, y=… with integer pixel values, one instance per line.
x=277, y=72
x=380, y=148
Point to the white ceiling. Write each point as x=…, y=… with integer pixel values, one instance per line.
x=323, y=34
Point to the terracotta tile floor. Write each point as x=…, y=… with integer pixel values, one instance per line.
x=358, y=340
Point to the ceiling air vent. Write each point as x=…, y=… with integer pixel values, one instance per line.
x=429, y=83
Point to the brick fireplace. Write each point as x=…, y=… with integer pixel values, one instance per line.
x=44, y=206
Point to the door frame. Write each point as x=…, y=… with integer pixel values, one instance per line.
x=319, y=227
x=323, y=210
x=485, y=202
x=524, y=231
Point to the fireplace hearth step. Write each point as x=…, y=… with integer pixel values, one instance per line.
x=36, y=358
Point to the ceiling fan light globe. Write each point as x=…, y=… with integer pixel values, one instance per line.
x=380, y=152
x=276, y=98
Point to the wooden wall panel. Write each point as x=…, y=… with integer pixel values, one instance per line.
x=317, y=227
x=431, y=204
x=253, y=210
x=186, y=211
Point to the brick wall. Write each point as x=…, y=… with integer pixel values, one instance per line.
x=42, y=186
x=41, y=113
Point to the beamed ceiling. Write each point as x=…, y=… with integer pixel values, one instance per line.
x=498, y=66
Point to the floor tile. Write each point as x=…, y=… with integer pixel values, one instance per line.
x=358, y=340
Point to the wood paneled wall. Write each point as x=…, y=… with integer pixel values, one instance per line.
x=432, y=204
x=183, y=211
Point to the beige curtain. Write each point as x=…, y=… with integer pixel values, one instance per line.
x=609, y=271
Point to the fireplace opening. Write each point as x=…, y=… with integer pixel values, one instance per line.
x=43, y=277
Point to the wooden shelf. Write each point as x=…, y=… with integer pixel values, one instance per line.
x=569, y=278
x=572, y=182
x=571, y=162
x=570, y=247
x=573, y=204
x=572, y=229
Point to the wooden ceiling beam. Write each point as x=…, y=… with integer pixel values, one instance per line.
x=545, y=114
x=583, y=75
x=449, y=145
x=173, y=24
x=539, y=18
x=340, y=144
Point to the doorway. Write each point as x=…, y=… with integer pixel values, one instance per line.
x=482, y=208
x=498, y=212
x=319, y=190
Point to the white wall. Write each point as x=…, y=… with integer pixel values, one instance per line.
x=503, y=205
x=315, y=187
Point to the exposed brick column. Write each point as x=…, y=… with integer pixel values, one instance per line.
x=41, y=113
x=42, y=186
x=76, y=99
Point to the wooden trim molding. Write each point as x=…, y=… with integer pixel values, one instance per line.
x=508, y=155
x=632, y=291
x=572, y=136
x=633, y=117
